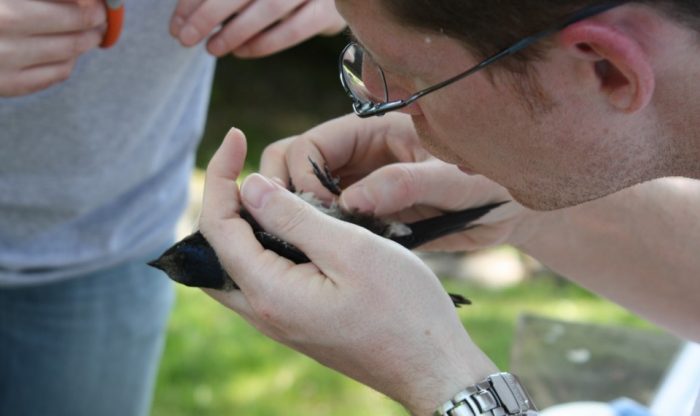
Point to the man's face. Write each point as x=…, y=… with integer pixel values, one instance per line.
x=547, y=154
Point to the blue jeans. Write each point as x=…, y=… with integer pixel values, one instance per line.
x=87, y=346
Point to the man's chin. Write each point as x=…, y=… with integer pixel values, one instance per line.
x=539, y=205
x=548, y=201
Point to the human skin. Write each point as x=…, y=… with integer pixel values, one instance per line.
x=355, y=317
x=596, y=118
x=625, y=246
x=612, y=119
x=41, y=40
x=259, y=28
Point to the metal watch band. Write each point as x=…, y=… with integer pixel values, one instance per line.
x=499, y=395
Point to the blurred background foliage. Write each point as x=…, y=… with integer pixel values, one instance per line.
x=216, y=364
x=275, y=97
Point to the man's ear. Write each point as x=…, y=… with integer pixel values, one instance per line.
x=620, y=63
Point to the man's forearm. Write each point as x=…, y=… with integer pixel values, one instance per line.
x=638, y=247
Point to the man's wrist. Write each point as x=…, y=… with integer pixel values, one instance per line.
x=432, y=390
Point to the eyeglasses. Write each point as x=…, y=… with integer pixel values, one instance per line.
x=358, y=70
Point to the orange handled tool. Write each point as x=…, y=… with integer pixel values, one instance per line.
x=115, y=21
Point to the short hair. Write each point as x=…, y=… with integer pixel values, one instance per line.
x=486, y=27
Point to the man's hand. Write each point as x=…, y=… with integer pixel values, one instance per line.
x=41, y=40
x=390, y=174
x=253, y=28
x=365, y=306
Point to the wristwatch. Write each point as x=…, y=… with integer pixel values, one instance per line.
x=499, y=394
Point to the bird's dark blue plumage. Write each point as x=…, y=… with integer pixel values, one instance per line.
x=193, y=262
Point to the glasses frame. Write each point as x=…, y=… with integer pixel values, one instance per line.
x=369, y=109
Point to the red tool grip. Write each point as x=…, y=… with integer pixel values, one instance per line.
x=115, y=21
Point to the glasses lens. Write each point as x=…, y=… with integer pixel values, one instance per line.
x=362, y=77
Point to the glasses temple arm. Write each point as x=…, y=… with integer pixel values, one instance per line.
x=520, y=45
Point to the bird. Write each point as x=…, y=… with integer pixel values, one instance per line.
x=193, y=262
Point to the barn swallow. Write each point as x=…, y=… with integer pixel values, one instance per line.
x=193, y=262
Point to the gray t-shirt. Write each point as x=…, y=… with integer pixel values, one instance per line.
x=94, y=170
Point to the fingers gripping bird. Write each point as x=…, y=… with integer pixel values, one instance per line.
x=193, y=262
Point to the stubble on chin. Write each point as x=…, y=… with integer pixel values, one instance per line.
x=536, y=201
x=534, y=190
x=541, y=196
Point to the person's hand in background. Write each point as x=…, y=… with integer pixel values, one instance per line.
x=41, y=40
x=252, y=28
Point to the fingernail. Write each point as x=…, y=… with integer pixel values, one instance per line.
x=356, y=198
x=217, y=47
x=177, y=24
x=189, y=35
x=256, y=190
x=278, y=181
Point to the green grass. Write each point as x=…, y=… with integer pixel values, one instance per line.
x=216, y=364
